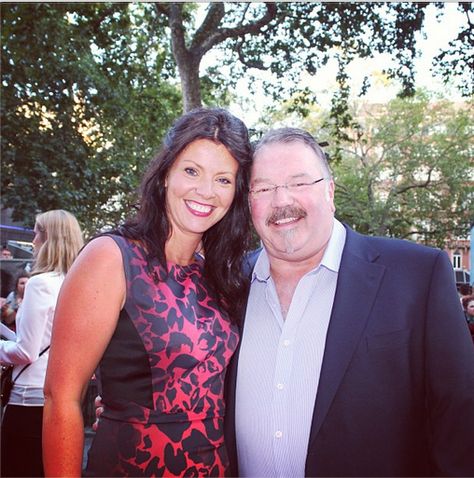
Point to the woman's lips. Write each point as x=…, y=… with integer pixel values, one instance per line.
x=199, y=209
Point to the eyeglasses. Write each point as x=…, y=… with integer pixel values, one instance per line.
x=267, y=190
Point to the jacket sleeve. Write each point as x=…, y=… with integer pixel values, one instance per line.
x=37, y=307
x=449, y=366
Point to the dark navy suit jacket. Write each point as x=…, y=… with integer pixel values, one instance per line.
x=396, y=393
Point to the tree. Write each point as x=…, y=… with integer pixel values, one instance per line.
x=289, y=37
x=207, y=36
x=407, y=170
x=84, y=105
x=404, y=168
x=456, y=63
x=89, y=88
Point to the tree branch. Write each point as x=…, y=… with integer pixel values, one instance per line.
x=465, y=6
x=211, y=38
x=95, y=25
x=178, y=42
x=211, y=23
x=423, y=184
x=162, y=8
x=248, y=63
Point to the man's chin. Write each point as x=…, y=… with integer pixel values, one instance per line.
x=284, y=251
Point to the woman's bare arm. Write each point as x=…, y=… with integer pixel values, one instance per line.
x=88, y=307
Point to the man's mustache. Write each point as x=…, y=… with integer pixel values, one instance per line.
x=285, y=213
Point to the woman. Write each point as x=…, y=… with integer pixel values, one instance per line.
x=13, y=300
x=158, y=319
x=57, y=241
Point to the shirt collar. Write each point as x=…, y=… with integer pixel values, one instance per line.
x=333, y=253
x=331, y=259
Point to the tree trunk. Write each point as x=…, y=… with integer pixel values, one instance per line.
x=190, y=82
x=208, y=35
x=187, y=60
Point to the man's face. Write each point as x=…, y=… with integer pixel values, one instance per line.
x=294, y=224
x=6, y=254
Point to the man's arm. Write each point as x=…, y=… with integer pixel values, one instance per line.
x=449, y=376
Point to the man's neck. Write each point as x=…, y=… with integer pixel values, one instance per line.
x=286, y=276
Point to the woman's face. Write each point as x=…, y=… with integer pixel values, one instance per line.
x=38, y=240
x=200, y=188
x=470, y=308
x=20, y=288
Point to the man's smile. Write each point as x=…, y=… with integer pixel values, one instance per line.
x=287, y=215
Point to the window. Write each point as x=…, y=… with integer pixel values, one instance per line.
x=457, y=260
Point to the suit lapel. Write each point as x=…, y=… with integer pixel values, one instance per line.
x=357, y=286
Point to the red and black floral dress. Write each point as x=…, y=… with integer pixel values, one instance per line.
x=162, y=376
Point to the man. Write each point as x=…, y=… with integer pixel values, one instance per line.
x=6, y=253
x=355, y=359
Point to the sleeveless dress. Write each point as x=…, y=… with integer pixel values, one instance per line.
x=162, y=375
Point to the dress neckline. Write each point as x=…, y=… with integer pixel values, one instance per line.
x=198, y=259
x=196, y=263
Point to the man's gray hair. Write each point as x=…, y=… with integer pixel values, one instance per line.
x=290, y=135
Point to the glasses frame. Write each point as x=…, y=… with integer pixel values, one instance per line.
x=291, y=187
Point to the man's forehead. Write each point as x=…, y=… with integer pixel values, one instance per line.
x=295, y=155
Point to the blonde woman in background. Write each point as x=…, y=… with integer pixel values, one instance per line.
x=58, y=239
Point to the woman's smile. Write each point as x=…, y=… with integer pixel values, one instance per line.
x=199, y=209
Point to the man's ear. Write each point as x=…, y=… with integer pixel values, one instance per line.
x=329, y=192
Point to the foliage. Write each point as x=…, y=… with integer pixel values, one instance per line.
x=88, y=89
x=455, y=64
x=85, y=102
x=289, y=38
x=404, y=168
x=407, y=170
x=301, y=37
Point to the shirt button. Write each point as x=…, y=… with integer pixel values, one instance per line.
x=280, y=386
x=278, y=434
x=286, y=342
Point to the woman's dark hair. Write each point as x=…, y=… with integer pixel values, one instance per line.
x=224, y=243
x=21, y=275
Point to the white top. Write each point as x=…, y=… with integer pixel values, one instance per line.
x=280, y=364
x=34, y=321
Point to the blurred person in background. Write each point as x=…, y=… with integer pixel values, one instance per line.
x=57, y=240
x=468, y=306
x=6, y=253
x=13, y=300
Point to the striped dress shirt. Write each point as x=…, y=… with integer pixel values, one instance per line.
x=280, y=364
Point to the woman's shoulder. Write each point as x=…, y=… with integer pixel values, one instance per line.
x=105, y=243
x=110, y=242
x=128, y=247
x=100, y=253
